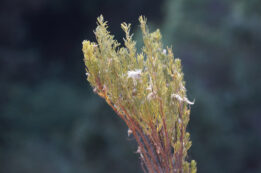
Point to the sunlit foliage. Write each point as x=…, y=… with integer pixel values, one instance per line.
x=147, y=91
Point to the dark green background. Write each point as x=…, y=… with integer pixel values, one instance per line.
x=51, y=122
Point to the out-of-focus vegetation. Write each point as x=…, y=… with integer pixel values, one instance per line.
x=50, y=121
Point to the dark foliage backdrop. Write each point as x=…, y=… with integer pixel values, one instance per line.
x=50, y=121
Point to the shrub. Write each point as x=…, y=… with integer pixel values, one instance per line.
x=147, y=91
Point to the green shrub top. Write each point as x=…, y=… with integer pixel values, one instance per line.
x=147, y=91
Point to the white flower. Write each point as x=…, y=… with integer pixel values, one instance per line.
x=176, y=96
x=115, y=106
x=129, y=132
x=164, y=51
x=134, y=74
x=150, y=96
x=87, y=74
x=180, y=99
x=189, y=102
x=138, y=150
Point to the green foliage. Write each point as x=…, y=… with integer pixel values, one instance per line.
x=147, y=91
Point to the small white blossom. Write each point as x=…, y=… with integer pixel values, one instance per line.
x=189, y=102
x=138, y=150
x=129, y=132
x=179, y=120
x=180, y=99
x=164, y=51
x=115, y=106
x=150, y=96
x=134, y=74
x=87, y=74
x=141, y=155
x=176, y=96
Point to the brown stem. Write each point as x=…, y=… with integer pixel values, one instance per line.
x=148, y=146
x=162, y=155
x=167, y=142
x=146, y=158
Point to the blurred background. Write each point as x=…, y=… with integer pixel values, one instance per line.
x=51, y=121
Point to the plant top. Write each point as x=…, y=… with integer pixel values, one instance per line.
x=146, y=89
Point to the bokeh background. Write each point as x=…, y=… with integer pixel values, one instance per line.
x=52, y=122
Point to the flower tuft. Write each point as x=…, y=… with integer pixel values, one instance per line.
x=182, y=99
x=135, y=75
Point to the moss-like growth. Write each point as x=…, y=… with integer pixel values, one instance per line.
x=147, y=91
